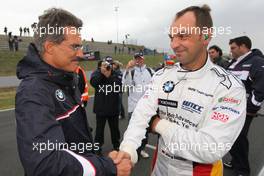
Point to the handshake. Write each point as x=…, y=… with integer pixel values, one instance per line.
x=122, y=161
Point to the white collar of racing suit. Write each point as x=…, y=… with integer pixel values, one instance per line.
x=184, y=74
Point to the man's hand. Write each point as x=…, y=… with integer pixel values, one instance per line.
x=105, y=72
x=124, y=167
x=131, y=64
x=153, y=122
x=122, y=161
x=117, y=157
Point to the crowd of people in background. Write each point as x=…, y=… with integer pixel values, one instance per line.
x=13, y=41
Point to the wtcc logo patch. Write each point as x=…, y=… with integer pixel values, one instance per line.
x=229, y=100
x=192, y=107
x=220, y=117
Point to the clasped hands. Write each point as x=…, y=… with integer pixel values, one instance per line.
x=122, y=161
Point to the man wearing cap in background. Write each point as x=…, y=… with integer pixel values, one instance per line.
x=137, y=76
x=106, y=102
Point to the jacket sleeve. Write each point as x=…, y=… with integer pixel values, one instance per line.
x=136, y=130
x=256, y=76
x=40, y=139
x=97, y=79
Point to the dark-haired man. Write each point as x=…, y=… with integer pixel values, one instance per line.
x=215, y=54
x=247, y=65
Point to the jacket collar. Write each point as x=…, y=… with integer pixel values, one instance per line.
x=186, y=74
x=32, y=65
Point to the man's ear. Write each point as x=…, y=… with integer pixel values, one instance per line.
x=207, y=38
x=49, y=47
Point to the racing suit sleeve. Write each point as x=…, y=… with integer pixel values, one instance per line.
x=256, y=76
x=215, y=135
x=145, y=109
x=39, y=139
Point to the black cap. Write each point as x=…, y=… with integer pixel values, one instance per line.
x=138, y=55
x=109, y=59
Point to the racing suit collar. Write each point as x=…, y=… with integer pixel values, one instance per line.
x=196, y=73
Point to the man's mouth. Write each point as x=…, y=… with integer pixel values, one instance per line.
x=77, y=59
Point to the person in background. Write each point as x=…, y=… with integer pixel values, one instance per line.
x=106, y=102
x=136, y=77
x=83, y=85
x=215, y=54
x=248, y=66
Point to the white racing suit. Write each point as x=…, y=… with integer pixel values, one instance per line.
x=202, y=112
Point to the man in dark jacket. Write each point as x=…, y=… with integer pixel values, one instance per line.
x=247, y=65
x=53, y=134
x=107, y=84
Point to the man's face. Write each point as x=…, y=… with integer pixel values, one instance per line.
x=235, y=50
x=139, y=61
x=187, y=45
x=213, y=54
x=64, y=54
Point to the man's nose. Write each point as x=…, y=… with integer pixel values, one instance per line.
x=175, y=43
x=79, y=53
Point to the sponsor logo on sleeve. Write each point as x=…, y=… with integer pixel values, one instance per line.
x=220, y=117
x=229, y=100
x=192, y=107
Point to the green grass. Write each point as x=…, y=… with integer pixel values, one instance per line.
x=7, y=97
x=151, y=61
x=9, y=61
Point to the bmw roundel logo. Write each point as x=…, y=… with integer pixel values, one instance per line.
x=168, y=86
x=59, y=95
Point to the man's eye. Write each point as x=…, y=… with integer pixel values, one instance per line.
x=183, y=36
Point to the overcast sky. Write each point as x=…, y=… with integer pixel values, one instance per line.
x=145, y=20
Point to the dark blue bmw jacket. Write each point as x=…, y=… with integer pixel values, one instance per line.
x=53, y=135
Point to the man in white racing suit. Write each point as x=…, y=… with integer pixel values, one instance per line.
x=201, y=107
